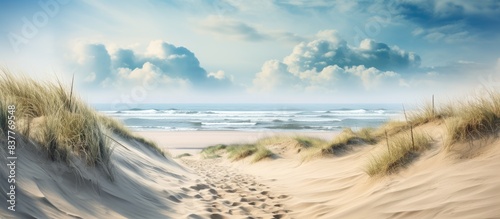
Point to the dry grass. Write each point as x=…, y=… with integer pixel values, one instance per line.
x=212, y=151
x=236, y=152
x=183, y=155
x=262, y=153
x=62, y=124
x=68, y=125
x=342, y=142
x=392, y=128
x=309, y=142
x=400, y=153
x=119, y=128
x=477, y=118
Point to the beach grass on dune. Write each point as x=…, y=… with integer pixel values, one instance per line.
x=308, y=142
x=119, y=128
x=183, y=155
x=262, y=153
x=237, y=152
x=212, y=151
x=52, y=116
x=342, y=142
x=400, y=153
x=476, y=118
x=63, y=123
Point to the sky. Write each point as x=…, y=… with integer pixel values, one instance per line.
x=262, y=51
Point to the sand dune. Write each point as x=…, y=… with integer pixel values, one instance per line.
x=145, y=185
x=438, y=184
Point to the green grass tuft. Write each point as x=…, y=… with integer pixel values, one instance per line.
x=183, y=155
x=400, y=153
x=262, y=153
x=211, y=152
x=238, y=152
x=476, y=119
x=347, y=138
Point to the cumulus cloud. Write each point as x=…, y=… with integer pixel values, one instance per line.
x=273, y=75
x=328, y=63
x=329, y=49
x=235, y=29
x=161, y=64
x=94, y=61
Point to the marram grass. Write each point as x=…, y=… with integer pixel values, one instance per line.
x=236, y=152
x=58, y=121
x=400, y=153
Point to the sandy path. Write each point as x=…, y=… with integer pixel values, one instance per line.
x=230, y=194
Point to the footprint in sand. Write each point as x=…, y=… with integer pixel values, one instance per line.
x=228, y=194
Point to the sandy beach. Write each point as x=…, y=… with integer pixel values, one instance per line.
x=74, y=162
x=147, y=185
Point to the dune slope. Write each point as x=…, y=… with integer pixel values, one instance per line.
x=144, y=185
x=437, y=184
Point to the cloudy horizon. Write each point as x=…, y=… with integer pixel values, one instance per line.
x=230, y=51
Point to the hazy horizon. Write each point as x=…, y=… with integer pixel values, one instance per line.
x=282, y=51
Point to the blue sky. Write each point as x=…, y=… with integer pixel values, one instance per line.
x=256, y=51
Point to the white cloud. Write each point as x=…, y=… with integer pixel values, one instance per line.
x=161, y=63
x=329, y=49
x=273, y=76
x=151, y=77
x=219, y=75
x=328, y=64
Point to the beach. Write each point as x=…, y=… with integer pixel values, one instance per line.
x=289, y=187
x=66, y=160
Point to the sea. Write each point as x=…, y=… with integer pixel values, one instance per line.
x=252, y=117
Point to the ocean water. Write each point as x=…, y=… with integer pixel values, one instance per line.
x=252, y=117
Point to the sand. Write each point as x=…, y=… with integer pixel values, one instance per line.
x=145, y=185
x=439, y=184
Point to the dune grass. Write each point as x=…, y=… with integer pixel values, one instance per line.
x=119, y=128
x=342, y=142
x=212, y=151
x=237, y=152
x=399, y=154
x=183, y=155
x=52, y=116
x=67, y=125
x=262, y=153
x=308, y=142
x=476, y=118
